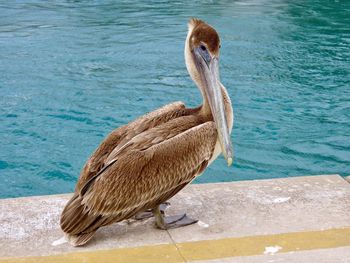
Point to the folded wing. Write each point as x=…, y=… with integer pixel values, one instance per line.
x=153, y=167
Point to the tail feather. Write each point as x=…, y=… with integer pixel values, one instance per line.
x=80, y=239
x=77, y=223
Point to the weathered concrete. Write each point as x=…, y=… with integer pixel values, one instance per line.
x=265, y=207
x=28, y=226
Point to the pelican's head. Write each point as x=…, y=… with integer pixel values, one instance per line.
x=202, y=50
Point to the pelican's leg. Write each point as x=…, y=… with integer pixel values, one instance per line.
x=149, y=213
x=167, y=222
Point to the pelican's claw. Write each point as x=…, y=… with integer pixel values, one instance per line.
x=176, y=221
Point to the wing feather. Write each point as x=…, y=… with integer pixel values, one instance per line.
x=140, y=177
x=118, y=137
x=154, y=166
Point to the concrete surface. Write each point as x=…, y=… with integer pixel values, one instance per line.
x=280, y=211
x=347, y=178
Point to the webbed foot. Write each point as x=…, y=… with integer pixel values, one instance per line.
x=169, y=222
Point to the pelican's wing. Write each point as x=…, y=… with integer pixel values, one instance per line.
x=121, y=135
x=157, y=164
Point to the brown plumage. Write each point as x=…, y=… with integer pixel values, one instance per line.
x=146, y=162
x=202, y=31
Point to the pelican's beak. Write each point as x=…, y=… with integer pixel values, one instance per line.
x=208, y=67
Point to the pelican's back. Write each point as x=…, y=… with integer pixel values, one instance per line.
x=120, y=136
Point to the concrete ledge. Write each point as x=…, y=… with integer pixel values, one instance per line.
x=245, y=221
x=347, y=178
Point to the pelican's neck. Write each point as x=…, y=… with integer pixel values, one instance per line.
x=192, y=70
x=228, y=108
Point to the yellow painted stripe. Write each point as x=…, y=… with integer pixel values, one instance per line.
x=255, y=245
x=156, y=254
x=205, y=250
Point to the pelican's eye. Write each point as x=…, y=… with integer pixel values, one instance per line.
x=203, y=51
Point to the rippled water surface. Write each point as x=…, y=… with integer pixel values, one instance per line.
x=72, y=71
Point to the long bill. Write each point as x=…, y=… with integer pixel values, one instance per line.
x=208, y=68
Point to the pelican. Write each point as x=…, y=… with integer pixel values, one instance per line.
x=141, y=165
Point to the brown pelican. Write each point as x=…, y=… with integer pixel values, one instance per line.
x=141, y=165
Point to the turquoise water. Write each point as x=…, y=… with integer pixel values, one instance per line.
x=72, y=71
